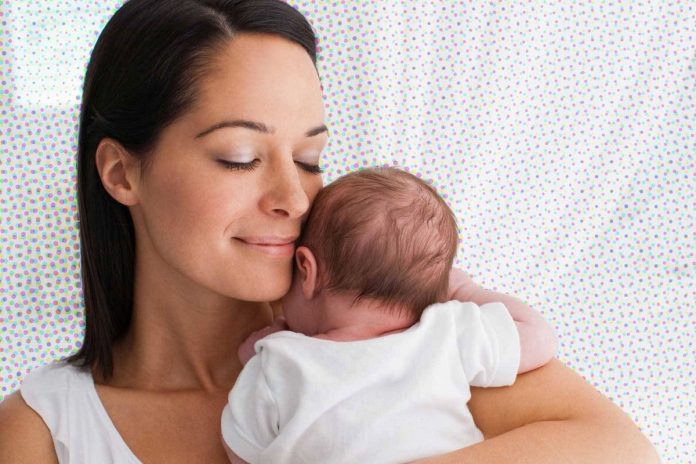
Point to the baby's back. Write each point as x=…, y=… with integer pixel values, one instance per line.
x=394, y=398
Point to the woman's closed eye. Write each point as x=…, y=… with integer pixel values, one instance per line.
x=234, y=166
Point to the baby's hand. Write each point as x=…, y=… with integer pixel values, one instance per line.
x=461, y=285
x=246, y=349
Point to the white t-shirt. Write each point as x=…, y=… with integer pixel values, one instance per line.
x=67, y=401
x=390, y=399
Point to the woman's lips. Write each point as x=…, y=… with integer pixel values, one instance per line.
x=284, y=250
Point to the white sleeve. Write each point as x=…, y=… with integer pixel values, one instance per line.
x=250, y=419
x=489, y=344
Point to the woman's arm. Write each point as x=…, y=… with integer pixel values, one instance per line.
x=550, y=415
x=24, y=437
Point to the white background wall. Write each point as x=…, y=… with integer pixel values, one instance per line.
x=561, y=133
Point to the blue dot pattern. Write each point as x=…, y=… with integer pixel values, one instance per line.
x=561, y=133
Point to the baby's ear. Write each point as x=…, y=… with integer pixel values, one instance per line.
x=307, y=268
x=304, y=258
x=300, y=257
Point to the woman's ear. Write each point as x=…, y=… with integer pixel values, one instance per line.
x=307, y=269
x=118, y=170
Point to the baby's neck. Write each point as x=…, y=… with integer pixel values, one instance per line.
x=348, y=334
x=365, y=321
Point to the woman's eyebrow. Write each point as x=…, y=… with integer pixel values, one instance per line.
x=256, y=126
x=316, y=131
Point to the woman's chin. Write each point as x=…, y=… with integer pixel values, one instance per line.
x=271, y=292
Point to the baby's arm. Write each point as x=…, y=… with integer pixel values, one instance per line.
x=234, y=459
x=538, y=341
x=246, y=349
x=249, y=420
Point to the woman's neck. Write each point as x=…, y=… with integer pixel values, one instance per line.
x=185, y=348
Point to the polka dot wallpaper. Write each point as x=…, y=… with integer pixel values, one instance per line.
x=561, y=133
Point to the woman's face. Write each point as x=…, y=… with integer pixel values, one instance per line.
x=260, y=106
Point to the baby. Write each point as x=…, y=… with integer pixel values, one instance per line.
x=379, y=355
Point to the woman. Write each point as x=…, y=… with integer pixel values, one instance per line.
x=201, y=130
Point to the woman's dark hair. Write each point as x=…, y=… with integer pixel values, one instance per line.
x=143, y=74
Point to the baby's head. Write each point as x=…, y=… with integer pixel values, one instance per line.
x=378, y=234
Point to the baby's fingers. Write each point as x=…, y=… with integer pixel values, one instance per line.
x=259, y=334
x=279, y=323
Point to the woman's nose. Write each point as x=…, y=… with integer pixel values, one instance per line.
x=285, y=194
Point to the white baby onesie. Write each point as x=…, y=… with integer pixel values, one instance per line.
x=390, y=399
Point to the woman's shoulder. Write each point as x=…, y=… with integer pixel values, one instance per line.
x=30, y=416
x=58, y=375
x=24, y=437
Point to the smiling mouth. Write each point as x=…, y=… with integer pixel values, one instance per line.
x=279, y=250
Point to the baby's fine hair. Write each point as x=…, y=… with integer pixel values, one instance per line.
x=382, y=233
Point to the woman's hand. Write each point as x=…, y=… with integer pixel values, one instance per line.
x=246, y=350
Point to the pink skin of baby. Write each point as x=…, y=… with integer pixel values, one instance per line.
x=316, y=313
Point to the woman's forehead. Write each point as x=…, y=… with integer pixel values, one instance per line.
x=262, y=78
